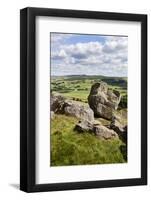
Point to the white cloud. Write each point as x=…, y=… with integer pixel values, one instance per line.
x=94, y=57
x=115, y=44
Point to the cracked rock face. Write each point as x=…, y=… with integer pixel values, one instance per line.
x=103, y=101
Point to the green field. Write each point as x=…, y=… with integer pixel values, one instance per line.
x=78, y=87
x=71, y=148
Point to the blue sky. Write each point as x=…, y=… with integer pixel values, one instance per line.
x=74, y=54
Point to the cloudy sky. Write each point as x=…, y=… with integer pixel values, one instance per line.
x=73, y=54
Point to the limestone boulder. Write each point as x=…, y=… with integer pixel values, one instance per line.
x=76, y=109
x=103, y=101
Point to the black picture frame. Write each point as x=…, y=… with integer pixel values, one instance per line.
x=28, y=99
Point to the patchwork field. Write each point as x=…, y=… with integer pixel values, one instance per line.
x=78, y=87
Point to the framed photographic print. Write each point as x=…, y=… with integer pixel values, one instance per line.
x=83, y=99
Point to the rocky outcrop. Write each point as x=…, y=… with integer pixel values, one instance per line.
x=97, y=129
x=72, y=108
x=119, y=129
x=103, y=101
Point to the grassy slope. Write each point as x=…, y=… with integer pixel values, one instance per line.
x=71, y=148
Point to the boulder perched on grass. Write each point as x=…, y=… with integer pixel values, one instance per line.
x=95, y=128
x=103, y=101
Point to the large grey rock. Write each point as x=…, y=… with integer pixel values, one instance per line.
x=97, y=129
x=103, y=101
x=78, y=110
x=72, y=108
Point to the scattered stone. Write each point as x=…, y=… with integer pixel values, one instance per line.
x=95, y=128
x=103, y=101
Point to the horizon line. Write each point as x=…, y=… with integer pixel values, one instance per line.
x=89, y=75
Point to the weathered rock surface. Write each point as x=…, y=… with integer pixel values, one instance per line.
x=78, y=110
x=103, y=101
x=97, y=129
x=72, y=108
x=119, y=129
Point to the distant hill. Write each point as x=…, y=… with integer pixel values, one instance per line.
x=121, y=81
x=83, y=76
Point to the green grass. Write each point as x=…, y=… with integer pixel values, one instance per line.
x=81, y=95
x=71, y=148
